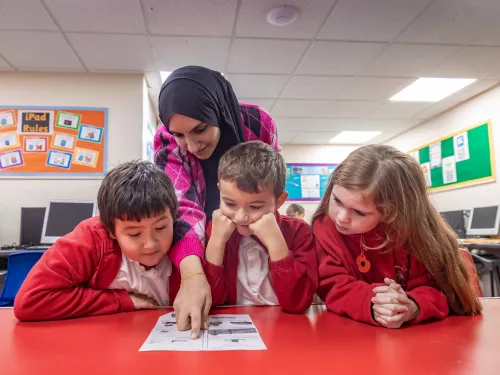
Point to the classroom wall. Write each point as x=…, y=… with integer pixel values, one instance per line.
x=121, y=94
x=483, y=107
x=313, y=154
x=148, y=125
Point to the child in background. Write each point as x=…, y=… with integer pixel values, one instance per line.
x=385, y=255
x=295, y=210
x=113, y=263
x=269, y=259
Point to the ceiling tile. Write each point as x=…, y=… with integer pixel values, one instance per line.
x=369, y=88
x=40, y=51
x=313, y=138
x=490, y=38
x=265, y=55
x=112, y=52
x=339, y=58
x=495, y=75
x=469, y=62
x=369, y=20
x=453, y=22
x=98, y=16
x=267, y=104
x=348, y=108
x=298, y=108
x=4, y=65
x=285, y=137
x=252, y=20
x=386, y=125
x=399, y=110
x=25, y=15
x=208, y=52
x=257, y=86
x=315, y=124
x=384, y=137
x=315, y=87
x=409, y=60
x=190, y=17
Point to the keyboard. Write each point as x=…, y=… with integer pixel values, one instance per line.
x=40, y=247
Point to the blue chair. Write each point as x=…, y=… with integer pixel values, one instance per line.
x=18, y=266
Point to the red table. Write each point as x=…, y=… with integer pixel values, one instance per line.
x=318, y=342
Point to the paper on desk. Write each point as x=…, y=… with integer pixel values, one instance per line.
x=225, y=332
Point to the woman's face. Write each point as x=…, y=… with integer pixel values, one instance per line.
x=196, y=136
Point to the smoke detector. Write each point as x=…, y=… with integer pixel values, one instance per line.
x=282, y=15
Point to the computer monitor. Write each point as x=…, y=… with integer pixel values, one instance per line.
x=31, y=225
x=455, y=220
x=484, y=221
x=62, y=217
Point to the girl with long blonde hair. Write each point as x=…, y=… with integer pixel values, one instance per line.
x=386, y=256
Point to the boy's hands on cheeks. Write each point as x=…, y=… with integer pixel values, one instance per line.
x=391, y=306
x=222, y=227
x=142, y=302
x=269, y=233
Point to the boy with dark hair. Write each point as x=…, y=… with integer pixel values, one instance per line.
x=269, y=259
x=112, y=263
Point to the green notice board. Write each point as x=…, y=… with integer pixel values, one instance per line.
x=459, y=159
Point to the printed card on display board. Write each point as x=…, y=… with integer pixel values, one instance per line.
x=7, y=118
x=461, y=147
x=449, y=170
x=35, y=144
x=59, y=159
x=90, y=133
x=9, y=140
x=11, y=159
x=63, y=140
x=37, y=122
x=68, y=120
x=86, y=157
x=426, y=170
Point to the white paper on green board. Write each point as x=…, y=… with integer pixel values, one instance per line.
x=449, y=170
x=435, y=155
x=461, y=147
x=426, y=170
x=415, y=155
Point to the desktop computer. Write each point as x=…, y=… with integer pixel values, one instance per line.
x=31, y=226
x=484, y=221
x=456, y=220
x=62, y=217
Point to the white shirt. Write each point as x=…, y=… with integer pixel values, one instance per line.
x=153, y=283
x=254, y=281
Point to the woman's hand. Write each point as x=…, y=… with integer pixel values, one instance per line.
x=194, y=299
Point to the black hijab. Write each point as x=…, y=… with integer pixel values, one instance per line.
x=204, y=95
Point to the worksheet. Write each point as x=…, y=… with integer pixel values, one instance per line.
x=225, y=332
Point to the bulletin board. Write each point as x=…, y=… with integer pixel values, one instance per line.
x=459, y=159
x=60, y=142
x=307, y=182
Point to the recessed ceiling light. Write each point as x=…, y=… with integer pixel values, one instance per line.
x=354, y=137
x=431, y=89
x=164, y=75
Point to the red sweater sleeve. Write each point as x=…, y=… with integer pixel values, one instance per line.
x=295, y=278
x=431, y=302
x=187, y=176
x=216, y=277
x=57, y=286
x=342, y=292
